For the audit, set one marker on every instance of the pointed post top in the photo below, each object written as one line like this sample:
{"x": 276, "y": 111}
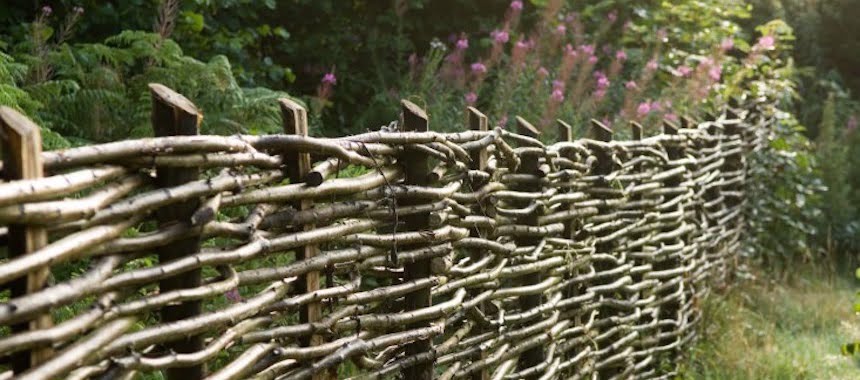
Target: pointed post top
{"x": 600, "y": 131}
{"x": 635, "y": 130}
{"x": 526, "y": 129}
{"x": 414, "y": 117}
{"x": 565, "y": 131}
{"x": 172, "y": 98}
{"x": 670, "y": 128}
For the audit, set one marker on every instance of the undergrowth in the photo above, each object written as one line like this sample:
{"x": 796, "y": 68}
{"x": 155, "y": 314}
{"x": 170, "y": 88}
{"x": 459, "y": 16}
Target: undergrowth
{"x": 769, "y": 328}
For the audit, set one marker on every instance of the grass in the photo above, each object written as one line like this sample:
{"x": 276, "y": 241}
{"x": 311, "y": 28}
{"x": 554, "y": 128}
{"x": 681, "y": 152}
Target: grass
{"x": 778, "y": 329}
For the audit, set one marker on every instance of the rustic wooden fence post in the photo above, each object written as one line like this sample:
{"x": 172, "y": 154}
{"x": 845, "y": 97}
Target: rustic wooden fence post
{"x": 295, "y": 122}
{"x": 479, "y": 122}
{"x": 565, "y": 134}
{"x": 416, "y": 174}
{"x": 22, "y": 159}
{"x": 529, "y": 165}
{"x": 603, "y": 166}
{"x": 174, "y": 115}
{"x": 672, "y": 310}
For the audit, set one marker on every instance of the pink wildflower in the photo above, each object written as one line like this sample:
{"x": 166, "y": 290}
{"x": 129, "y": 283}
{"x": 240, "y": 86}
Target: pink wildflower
{"x": 329, "y": 78}
{"x": 557, "y": 95}
{"x": 630, "y": 85}
{"x": 651, "y": 65}
{"x": 47, "y": 10}
{"x": 672, "y": 117}
{"x": 570, "y": 51}
{"x": 683, "y": 71}
{"x": 587, "y": 49}
{"x": 524, "y": 44}
{"x": 517, "y": 5}
{"x": 561, "y": 29}
{"x": 557, "y": 85}
{"x": 765, "y": 43}
{"x": 602, "y": 80}
{"x": 462, "y": 44}
{"x": 621, "y": 55}
{"x": 715, "y": 72}
{"x": 643, "y": 109}
{"x": 478, "y": 68}
{"x": 656, "y": 106}
{"x": 543, "y": 72}
{"x": 727, "y": 44}
{"x": 471, "y": 98}
{"x": 592, "y": 59}
{"x": 500, "y": 36}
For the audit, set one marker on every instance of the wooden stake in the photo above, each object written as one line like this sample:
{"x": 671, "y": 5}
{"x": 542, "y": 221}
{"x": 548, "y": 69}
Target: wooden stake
{"x": 479, "y": 122}
{"x": 416, "y": 165}
{"x": 22, "y": 159}
{"x": 529, "y": 165}
{"x": 174, "y": 115}
{"x": 295, "y": 122}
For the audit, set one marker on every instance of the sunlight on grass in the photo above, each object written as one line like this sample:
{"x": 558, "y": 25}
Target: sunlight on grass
{"x": 768, "y": 330}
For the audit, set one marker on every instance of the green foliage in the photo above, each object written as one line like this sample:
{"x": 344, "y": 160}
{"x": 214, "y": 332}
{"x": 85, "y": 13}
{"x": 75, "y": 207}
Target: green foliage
{"x": 98, "y": 91}
{"x": 11, "y": 95}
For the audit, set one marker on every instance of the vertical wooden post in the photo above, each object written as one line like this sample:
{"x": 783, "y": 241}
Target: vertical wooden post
{"x": 295, "y": 122}
{"x": 416, "y": 165}
{"x": 174, "y": 115}
{"x": 603, "y": 167}
{"x": 529, "y": 165}
{"x": 601, "y": 132}
{"x": 672, "y": 310}
{"x": 565, "y": 134}
{"x": 22, "y": 159}
{"x": 478, "y": 122}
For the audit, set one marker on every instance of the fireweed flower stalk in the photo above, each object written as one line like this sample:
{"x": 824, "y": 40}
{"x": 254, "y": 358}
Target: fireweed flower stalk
{"x": 453, "y": 69}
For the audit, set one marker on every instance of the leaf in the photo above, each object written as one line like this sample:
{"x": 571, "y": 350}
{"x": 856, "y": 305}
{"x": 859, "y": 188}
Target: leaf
{"x": 194, "y": 21}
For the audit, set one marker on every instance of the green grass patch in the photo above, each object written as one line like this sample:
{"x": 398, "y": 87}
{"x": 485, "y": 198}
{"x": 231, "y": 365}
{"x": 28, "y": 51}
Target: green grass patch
{"x": 778, "y": 329}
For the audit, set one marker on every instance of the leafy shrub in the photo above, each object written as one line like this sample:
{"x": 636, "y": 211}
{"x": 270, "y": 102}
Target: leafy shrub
{"x": 98, "y": 91}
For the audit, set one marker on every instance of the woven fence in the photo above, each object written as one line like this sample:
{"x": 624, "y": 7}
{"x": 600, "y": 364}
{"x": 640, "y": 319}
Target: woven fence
{"x": 394, "y": 253}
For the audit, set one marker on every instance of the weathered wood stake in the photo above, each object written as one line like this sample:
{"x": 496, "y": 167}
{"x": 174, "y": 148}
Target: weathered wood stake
{"x": 479, "y": 122}
{"x": 416, "y": 165}
{"x": 22, "y": 159}
{"x": 529, "y": 165}
{"x": 295, "y": 122}
{"x": 175, "y": 115}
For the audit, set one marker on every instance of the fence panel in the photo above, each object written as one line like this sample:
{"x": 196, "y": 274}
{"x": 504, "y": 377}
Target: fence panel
{"x": 480, "y": 254}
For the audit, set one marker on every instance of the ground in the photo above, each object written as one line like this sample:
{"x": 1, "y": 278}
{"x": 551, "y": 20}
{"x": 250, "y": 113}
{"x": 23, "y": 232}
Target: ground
{"x": 790, "y": 328}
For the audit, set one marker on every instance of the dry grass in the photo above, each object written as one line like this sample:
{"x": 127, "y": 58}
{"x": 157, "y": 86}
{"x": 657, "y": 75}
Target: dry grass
{"x": 788, "y": 329}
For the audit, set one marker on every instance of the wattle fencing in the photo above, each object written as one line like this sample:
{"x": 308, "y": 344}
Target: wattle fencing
{"x": 401, "y": 252}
